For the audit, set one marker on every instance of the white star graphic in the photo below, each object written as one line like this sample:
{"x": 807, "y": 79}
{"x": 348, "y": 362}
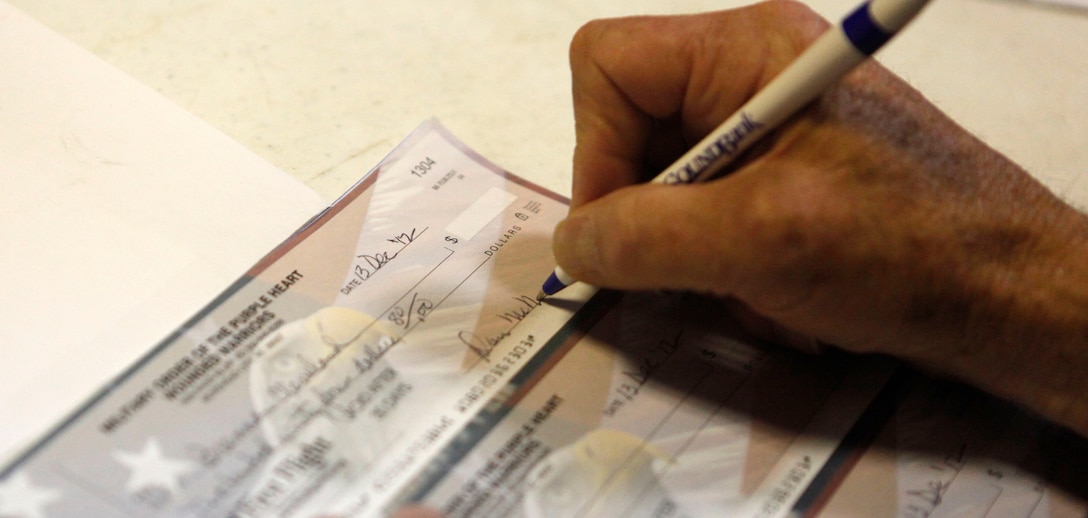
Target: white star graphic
{"x": 150, "y": 468}
{"x": 22, "y": 499}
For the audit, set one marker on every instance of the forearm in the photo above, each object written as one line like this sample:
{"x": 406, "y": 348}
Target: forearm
{"x": 996, "y": 264}
{"x": 1033, "y": 328}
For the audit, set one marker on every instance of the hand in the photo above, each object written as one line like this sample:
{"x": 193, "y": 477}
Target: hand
{"x": 870, "y": 221}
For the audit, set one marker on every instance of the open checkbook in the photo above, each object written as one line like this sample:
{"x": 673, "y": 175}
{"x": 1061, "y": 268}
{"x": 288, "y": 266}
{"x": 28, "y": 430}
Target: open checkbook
{"x": 393, "y": 351}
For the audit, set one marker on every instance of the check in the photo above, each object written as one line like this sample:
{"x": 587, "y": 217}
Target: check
{"x": 393, "y": 351}
{"x": 333, "y": 369}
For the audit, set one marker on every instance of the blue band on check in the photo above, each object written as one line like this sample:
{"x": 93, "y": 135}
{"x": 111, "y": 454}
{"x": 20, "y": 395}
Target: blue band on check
{"x": 863, "y": 32}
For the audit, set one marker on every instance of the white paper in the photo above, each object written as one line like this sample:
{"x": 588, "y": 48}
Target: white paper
{"x": 120, "y": 216}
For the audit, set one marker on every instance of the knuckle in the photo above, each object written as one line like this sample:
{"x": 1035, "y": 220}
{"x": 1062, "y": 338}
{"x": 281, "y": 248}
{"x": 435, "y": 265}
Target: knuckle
{"x": 583, "y": 38}
{"x": 805, "y": 24}
{"x": 587, "y": 38}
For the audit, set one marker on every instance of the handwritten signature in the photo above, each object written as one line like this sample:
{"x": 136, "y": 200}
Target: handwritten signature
{"x": 482, "y": 346}
{"x": 525, "y": 305}
{"x": 479, "y": 345}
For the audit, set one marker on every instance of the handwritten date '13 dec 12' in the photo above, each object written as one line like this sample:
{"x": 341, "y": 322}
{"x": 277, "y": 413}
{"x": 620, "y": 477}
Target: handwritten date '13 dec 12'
{"x": 367, "y": 265}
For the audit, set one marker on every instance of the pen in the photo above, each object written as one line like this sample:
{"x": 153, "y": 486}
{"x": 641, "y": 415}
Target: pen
{"x": 829, "y": 58}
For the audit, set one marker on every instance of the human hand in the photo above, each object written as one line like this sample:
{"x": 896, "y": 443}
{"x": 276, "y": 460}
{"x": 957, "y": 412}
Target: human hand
{"x": 870, "y": 221}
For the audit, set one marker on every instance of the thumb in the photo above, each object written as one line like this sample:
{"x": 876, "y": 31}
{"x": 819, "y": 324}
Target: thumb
{"x": 649, "y": 236}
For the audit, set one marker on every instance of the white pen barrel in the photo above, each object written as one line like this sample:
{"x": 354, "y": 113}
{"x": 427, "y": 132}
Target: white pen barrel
{"x": 892, "y": 15}
{"x": 823, "y": 63}
{"x": 860, "y": 34}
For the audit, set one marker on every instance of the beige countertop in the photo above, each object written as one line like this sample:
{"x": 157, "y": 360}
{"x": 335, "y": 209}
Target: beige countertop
{"x": 324, "y": 89}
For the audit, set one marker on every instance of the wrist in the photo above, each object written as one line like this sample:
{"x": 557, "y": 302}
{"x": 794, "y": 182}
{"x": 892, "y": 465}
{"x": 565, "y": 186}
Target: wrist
{"x": 1034, "y": 324}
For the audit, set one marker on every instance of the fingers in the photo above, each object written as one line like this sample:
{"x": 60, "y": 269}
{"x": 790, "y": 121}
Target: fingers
{"x": 640, "y": 82}
{"x": 636, "y": 238}
{"x": 769, "y": 234}
{"x": 652, "y": 236}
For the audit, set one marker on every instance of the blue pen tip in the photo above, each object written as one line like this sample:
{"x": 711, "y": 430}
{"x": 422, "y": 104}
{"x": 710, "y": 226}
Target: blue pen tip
{"x": 552, "y": 285}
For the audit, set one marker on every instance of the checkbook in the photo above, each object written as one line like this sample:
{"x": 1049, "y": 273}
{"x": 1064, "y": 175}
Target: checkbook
{"x": 393, "y": 352}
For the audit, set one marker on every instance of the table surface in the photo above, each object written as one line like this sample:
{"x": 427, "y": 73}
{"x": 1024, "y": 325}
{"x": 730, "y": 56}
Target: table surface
{"x": 325, "y": 89}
